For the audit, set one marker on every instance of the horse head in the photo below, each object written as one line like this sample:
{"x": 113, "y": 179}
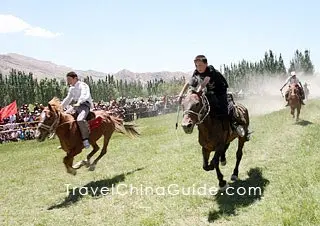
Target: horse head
{"x": 293, "y": 89}
{"x": 49, "y": 120}
{"x": 195, "y": 108}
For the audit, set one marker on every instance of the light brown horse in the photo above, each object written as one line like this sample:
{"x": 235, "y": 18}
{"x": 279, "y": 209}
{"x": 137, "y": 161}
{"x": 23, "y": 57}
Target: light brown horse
{"x": 53, "y": 119}
{"x": 294, "y": 100}
{"x": 215, "y": 135}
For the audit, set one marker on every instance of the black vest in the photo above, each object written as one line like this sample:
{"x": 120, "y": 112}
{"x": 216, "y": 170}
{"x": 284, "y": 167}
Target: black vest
{"x": 217, "y": 83}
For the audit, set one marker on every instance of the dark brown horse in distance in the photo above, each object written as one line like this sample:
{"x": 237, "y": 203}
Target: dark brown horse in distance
{"x": 215, "y": 135}
{"x": 53, "y": 119}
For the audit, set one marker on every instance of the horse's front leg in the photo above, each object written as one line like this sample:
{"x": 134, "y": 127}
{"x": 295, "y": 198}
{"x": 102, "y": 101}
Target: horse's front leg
{"x": 68, "y": 161}
{"x": 215, "y": 162}
{"x": 206, "y": 155}
{"x": 298, "y": 114}
{"x": 292, "y": 112}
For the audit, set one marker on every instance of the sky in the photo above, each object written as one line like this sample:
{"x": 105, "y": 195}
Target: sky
{"x": 149, "y": 36}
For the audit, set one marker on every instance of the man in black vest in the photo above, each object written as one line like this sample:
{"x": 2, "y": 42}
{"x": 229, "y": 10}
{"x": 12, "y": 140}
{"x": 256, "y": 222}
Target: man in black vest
{"x": 215, "y": 86}
{"x": 207, "y": 78}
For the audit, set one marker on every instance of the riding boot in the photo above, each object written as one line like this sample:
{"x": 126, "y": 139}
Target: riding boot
{"x": 84, "y": 130}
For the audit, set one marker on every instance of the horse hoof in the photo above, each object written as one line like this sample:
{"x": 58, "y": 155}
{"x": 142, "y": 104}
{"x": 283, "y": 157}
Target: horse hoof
{"x": 78, "y": 165}
{"x": 72, "y": 172}
{"x": 92, "y": 167}
{"x": 223, "y": 163}
{"x": 234, "y": 177}
{"x": 86, "y": 163}
{"x": 208, "y": 167}
{"x": 223, "y": 188}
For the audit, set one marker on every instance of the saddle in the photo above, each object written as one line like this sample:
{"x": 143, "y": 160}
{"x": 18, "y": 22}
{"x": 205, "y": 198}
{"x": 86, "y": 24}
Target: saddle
{"x": 89, "y": 117}
{"x": 236, "y": 110}
{"x": 93, "y": 121}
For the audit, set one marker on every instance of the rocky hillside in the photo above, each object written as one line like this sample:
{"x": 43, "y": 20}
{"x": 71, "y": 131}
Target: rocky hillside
{"x": 42, "y": 69}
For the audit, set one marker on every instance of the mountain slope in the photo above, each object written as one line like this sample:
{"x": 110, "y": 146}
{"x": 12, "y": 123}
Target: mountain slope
{"x": 42, "y": 69}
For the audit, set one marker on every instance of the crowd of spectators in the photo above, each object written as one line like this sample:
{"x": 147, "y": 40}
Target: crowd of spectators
{"x": 22, "y": 126}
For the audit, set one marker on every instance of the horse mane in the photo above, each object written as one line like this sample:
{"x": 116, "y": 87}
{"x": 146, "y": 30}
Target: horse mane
{"x": 55, "y": 104}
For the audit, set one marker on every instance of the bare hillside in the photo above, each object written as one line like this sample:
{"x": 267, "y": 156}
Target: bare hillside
{"x": 42, "y": 69}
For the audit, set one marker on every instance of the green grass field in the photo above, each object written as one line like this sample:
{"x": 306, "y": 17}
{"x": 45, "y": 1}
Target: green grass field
{"x": 282, "y": 159}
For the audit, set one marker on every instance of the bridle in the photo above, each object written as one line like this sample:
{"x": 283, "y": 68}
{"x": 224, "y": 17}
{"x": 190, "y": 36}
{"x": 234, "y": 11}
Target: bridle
{"x": 50, "y": 128}
{"x": 204, "y": 111}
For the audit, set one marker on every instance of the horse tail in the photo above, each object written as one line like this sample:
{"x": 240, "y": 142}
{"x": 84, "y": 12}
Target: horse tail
{"x": 127, "y": 129}
{"x": 131, "y": 129}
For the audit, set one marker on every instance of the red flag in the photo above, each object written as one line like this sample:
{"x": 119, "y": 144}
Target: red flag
{"x": 9, "y": 110}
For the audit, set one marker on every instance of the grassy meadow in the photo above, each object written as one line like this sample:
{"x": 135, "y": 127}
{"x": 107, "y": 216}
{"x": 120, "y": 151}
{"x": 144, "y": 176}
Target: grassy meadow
{"x": 282, "y": 160}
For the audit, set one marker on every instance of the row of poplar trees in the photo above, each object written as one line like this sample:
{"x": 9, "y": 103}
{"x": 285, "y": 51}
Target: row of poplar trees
{"x": 26, "y": 89}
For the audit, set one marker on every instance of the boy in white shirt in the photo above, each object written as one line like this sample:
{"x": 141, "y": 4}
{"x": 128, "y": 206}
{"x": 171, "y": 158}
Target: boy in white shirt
{"x": 79, "y": 92}
{"x": 291, "y": 80}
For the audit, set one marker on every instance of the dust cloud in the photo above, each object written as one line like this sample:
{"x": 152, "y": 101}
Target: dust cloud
{"x": 263, "y": 95}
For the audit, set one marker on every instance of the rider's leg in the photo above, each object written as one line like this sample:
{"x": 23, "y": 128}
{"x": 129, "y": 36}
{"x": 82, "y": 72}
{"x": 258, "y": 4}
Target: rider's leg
{"x": 222, "y": 105}
{"x": 83, "y": 110}
{"x": 213, "y": 104}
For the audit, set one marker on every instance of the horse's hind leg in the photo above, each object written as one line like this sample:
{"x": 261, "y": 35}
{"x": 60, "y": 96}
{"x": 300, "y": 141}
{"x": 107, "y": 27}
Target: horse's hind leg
{"x": 87, "y": 161}
{"x": 215, "y": 163}
{"x": 206, "y": 155}
{"x": 89, "y": 156}
{"x": 235, "y": 174}
{"x": 103, "y": 151}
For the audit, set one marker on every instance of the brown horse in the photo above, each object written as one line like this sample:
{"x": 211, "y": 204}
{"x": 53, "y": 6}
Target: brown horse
{"x": 215, "y": 135}
{"x": 294, "y": 100}
{"x": 53, "y": 119}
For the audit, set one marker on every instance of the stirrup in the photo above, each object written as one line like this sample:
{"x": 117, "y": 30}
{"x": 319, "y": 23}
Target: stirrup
{"x": 240, "y": 131}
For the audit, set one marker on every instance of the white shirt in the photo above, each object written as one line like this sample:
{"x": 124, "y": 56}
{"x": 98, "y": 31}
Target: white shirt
{"x": 291, "y": 80}
{"x": 79, "y": 93}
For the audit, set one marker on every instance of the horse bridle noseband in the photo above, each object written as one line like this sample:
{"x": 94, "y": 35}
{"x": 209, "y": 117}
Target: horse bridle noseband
{"x": 204, "y": 111}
